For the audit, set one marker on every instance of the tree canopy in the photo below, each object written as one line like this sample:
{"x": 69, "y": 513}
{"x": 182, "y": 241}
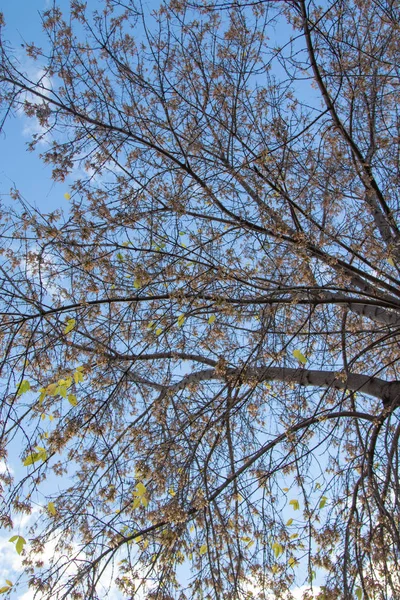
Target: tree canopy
{"x": 200, "y": 358}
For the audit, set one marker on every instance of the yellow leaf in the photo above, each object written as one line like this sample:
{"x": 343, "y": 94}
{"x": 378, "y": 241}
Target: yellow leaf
{"x": 67, "y": 196}
{"x": 289, "y": 522}
{"x": 78, "y": 376}
{"x": 277, "y": 548}
{"x": 137, "y": 284}
{"x": 136, "y": 503}
{"x": 70, "y": 324}
{"x": 171, "y": 492}
{"x": 158, "y": 331}
{"x": 300, "y": 357}
{"x": 323, "y": 502}
{"x": 181, "y": 320}
{"x": 62, "y": 391}
{"x": 145, "y": 544}
{"x": 211, "y": 319}
{"x": 72, "y": 399}
{"x": 4, "y": 589}
{"x": 275, "y": 569}
{"x": 294, "y": 536}
{"x": 42, "y": 396}
{"x": 390, "y": 261}
{"x": 30, "y": 459}
{"x": 51, "y": 389}
{"x": 285, "y": 489}
{"x": 203, "y": 549}
{"x": 51, "y": 508}
{"x": 10, "y": 583}
{"x": 292, "y": 561}
{"x": 295, "y": 504}
{"x": 19, "y": 542}
{"x": 140, "y": 490}
{"x": 23, "y": 387}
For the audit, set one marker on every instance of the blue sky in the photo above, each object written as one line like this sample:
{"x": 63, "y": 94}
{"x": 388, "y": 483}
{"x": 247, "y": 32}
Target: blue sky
{"x": 18, "y": 167}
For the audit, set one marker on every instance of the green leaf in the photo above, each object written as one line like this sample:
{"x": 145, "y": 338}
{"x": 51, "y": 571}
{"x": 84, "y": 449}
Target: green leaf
{"x": 295, "y": 504}
{"x": 70, "y": 324}
{"x": 120, "y": 257}
{"x": 277, "y": 548}
{"x": 359, "y": 593}
{"x": 300, "y": 357}
{"x": 323, "y": 501}
{"x": 23, "y": 387}
{"x": 13, "y": 538}
{"x": 211, "y": 319}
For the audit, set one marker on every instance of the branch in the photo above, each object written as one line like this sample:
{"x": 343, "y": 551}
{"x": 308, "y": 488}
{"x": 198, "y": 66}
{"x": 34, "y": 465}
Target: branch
{"x": 386, "y": 391}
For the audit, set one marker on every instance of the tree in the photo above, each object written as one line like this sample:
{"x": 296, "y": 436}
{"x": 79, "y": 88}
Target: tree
{"x": 213, "y": 327}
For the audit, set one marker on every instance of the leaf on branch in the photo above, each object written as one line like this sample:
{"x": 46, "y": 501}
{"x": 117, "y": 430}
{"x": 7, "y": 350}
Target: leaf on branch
{"x": 51, "y": 508}
{"x": 181, "y": 320}
{"x": 67, "y": 196}
{"x": 140, "y": 496}
{"x": 33, "y": 457}
{"x": 295, "y": 504}
{"x": 323, "y": 501}
{"x": 277, "y": 548}
{"x": 70, "y": 325}
{"x": 300, "y": 357}
{"x": 78, "y": 375}
{"x": 23, "y": 387}
{"x": 72, "y": 399}
{"x": 19, "y": 542}
{"x": 203, "y": 549}
{"x": 211, "y": 319}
